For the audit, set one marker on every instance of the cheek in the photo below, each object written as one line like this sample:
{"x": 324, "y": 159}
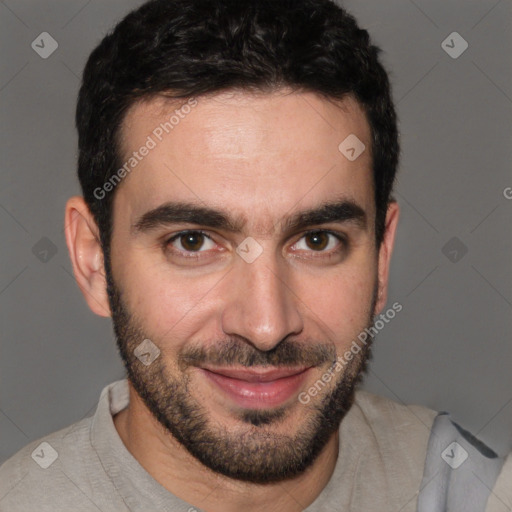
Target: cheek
{"x": 341, "y": 302}
{"x": 166, "y": 303}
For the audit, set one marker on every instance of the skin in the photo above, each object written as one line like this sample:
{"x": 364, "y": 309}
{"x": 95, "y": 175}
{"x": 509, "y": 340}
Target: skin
{"x": 261, "y": 157}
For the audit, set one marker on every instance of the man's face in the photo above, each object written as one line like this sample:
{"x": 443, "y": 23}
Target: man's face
{"x": 247, "y": 309}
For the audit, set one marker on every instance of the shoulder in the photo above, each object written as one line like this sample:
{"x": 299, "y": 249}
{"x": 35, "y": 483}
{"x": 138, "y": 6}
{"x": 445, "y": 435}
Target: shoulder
{"x": 432, "y": 452}
{"x": 385, "y": 444}
{"x": 50, "y": 473}
{"x": 500, "y": 499}
{"x": 396, "y": 433}
{"x": 450, "y": 464}
{"x": 407, "y": 426}
{"x": 35, "y": 467}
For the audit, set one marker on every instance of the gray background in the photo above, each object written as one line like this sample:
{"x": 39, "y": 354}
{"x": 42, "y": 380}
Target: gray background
{"x": 449, "y": 349}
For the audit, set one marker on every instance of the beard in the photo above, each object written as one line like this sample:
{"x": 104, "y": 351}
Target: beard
{"x": 254, "y": 452}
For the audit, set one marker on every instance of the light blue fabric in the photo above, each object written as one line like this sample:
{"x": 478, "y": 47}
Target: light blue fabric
{"x": 460, "y": 471}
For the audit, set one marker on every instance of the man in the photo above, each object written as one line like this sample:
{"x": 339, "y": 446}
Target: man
{"x": 236, "y": 159}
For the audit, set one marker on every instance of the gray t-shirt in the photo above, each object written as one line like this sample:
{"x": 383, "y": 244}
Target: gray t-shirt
{"x": 86, "y": 467}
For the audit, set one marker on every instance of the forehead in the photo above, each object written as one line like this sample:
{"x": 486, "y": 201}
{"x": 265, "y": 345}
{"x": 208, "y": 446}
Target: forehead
{"x": 249, "y": 153}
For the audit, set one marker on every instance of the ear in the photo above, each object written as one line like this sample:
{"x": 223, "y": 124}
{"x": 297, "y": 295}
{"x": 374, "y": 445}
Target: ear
{"x": 385, "y": 250}
{"x": 83, "y": 241}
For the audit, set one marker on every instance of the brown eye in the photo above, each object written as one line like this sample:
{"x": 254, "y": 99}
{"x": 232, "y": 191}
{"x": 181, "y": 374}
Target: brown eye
{"x": 192, "y": 241}
{"x": 325, "y": 243}
{"x": 317, "y": 241}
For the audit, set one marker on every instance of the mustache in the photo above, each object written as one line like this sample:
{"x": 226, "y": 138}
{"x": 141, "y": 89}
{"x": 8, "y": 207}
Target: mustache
{"x": 240, "y": 353}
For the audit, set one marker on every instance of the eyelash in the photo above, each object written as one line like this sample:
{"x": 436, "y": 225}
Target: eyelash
{"x": 340, "y": 238}
{"x": 343, "y": 243}
{"x": 187, "y": 254}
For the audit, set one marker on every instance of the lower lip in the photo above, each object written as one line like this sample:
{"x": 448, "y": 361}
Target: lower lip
{"x": 258, "y": 395}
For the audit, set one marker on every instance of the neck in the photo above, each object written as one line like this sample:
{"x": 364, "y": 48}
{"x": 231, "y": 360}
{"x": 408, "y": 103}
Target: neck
{"x": 172, "y": 466}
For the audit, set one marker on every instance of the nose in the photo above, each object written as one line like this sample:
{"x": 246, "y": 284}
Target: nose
{"x": 262, "y": 307}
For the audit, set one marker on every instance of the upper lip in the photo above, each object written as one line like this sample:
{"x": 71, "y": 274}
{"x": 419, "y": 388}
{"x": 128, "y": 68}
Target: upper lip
{"x": 257, "y": 374}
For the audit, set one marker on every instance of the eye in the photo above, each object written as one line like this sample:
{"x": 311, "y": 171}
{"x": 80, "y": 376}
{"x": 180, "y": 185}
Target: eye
{"x": 191, "y": 242}
{"x": 320, "y": 241}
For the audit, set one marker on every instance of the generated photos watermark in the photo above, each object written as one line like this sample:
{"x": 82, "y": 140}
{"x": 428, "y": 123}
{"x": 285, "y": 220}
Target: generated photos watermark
{"x": 356, "y": 347}
{"x": 151, "y": 143}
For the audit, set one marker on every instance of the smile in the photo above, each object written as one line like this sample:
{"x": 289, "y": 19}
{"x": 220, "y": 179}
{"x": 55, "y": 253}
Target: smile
{"x": 253, "y": 388}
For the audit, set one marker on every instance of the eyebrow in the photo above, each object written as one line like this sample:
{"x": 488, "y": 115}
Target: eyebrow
{"x": 342, "y": 211}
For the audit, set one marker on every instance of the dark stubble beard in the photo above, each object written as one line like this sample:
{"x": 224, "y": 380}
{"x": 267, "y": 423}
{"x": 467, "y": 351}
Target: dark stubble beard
{"x": 255, "y": 454}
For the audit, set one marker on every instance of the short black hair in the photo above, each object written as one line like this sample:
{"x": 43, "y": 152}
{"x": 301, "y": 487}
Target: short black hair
{"x": 188, "y": 48}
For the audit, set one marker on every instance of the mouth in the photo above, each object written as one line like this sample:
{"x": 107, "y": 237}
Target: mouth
{"x": 257, "y": 388}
